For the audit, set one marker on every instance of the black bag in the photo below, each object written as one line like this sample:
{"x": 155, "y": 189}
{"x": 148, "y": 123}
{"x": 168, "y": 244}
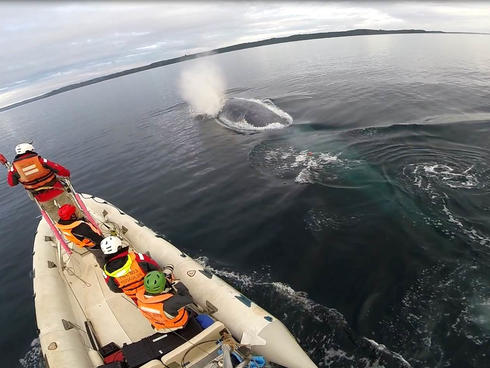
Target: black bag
{"x": 108, "y": 349}
{"x": 159, "y": 344}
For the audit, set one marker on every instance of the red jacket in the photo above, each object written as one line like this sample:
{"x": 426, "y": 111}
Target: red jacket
{"x": 45, "y": 195}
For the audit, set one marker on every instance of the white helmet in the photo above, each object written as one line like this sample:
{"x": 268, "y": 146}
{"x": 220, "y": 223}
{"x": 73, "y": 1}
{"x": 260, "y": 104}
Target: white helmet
{"x": 110, "y": 245}
{"x": 23, "y": 148}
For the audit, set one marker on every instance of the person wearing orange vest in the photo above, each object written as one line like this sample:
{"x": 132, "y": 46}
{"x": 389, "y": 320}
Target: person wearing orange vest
{"x": 124, "y": 270}
{"x": 79, "y": 231}
{"x": 163, "y": 302}
{"x": 39, "y": 176}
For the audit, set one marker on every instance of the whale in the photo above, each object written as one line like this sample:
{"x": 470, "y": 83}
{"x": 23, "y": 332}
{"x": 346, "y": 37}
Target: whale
{"x": 252, "y": 115}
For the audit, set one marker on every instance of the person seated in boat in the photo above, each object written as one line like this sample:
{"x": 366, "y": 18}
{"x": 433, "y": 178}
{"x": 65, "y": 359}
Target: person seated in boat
{"x": 80, "y": 232}
{"x": 162, "y": 301}
{"x": 124, "y": 270}
{"x": 39, "y": 176}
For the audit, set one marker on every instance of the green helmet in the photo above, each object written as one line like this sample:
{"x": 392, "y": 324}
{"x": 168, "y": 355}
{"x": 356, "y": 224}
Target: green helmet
{"x": 154, "y": 282}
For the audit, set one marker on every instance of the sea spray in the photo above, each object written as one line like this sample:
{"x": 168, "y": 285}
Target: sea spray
{"x": 202, "y": 86}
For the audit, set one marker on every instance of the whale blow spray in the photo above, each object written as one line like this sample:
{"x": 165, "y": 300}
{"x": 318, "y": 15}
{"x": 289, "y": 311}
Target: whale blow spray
{"x": 202, "y": 86}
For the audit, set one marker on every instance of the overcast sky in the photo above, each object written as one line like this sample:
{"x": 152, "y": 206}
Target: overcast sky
{"x": 49, "y": 45}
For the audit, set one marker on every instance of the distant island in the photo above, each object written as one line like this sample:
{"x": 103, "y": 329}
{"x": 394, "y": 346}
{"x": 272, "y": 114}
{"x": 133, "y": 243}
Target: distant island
{"x": 221, "y": 50}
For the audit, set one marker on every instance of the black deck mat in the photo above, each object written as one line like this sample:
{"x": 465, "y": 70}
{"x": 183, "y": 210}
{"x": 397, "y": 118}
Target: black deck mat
{"x": 157, "y": 345}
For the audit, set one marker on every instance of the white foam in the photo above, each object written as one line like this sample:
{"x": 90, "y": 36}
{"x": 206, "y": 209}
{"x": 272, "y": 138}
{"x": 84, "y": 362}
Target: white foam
{"x": 432, "y": 178}
{"x": 312, "y": 163}
{"x": 471, "y": 232}
{"x": 304, "y": 177}
{"x": 383, "y": 348}
{"x": 445, "y": 175}
{"x": 243, "y": 126}
{"x": 333, "y": 355}
{"x": 32, "y": 358}
{"x": 306, "y": 167}
{"x": 271, "y": 106}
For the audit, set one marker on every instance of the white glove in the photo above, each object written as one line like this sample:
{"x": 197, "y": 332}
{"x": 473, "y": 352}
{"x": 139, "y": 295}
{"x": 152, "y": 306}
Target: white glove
{"x": 168, "y": 271}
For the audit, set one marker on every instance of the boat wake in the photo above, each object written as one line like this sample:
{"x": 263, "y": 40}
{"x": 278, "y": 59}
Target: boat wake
{"x": 32, "y": 358}
{"x": 323, "y": 332}
{"x": 304, "y": 166}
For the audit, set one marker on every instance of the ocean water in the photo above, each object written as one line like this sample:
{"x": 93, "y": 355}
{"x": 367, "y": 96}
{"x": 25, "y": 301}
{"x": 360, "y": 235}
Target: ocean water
{"x": 368, "y": 216}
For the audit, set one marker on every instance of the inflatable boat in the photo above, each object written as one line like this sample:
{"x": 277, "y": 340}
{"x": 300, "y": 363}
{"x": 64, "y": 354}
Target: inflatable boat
{"x": 82, "y": 323}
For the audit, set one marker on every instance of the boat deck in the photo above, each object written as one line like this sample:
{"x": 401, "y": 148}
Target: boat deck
{"x": 114, "y": 316}
{"x": 71, "y": 291}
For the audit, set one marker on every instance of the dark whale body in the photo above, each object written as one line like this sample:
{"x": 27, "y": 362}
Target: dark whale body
{"x": 253, "y": 113}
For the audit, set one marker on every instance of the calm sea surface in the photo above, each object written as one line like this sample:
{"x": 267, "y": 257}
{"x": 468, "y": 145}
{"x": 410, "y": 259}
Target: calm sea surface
{"x": 371, "y": 212}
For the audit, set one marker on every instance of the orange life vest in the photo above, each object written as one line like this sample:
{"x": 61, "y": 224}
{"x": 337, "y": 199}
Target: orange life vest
{"x": 152, "y": 308}
{"x": 128, "y": 278}
{"x": 85, "y": 242}
{"x": 33, "y": 175}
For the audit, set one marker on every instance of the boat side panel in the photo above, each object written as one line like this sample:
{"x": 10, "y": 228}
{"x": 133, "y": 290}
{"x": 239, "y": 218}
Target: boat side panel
{"x": 248, "y": 322}
{"x": 62, "y": 346}
{"x": 235, "y": 310}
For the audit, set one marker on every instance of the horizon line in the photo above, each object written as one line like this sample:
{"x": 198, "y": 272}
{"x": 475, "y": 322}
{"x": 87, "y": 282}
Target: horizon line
{"x": 240, "y": 46}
